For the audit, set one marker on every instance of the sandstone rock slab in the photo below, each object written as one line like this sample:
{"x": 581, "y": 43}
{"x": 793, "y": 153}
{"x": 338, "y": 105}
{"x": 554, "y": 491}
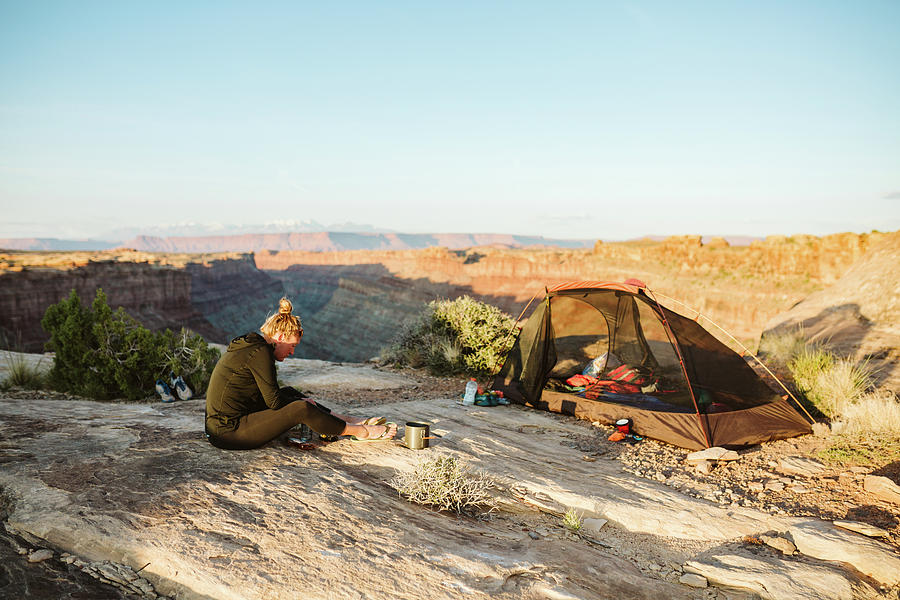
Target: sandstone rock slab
{"x": 826, "y": 542}
{"x": 138, "y": 485}
{"x": 882, "y": 487}
{"x": 779, "y": 543}
{"x": 319, "y": 375}
{"x": 775, "y": 579}
{"x": 863, "y": 528}
{"x": 693, "y": 580}
{"x": 799, "y": 465}
{"x": 712, "y": 454}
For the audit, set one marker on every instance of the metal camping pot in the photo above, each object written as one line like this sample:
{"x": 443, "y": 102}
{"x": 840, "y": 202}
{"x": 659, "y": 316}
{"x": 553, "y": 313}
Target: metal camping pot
{"x": 415, "y": 437}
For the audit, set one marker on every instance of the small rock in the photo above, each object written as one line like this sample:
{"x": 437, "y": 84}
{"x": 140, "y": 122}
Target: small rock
{"x": 554, "y": 593}
{"x": 714, "y": 453}
{"x": 693, "y": 580}
{"x": 821, "y": 429}
{"x": 798, "y": 465}
{"x": 40, "y": 555}
{"x": 534, "y": 535}
{"x": 594, "y": 524}
{"x": 860, "y": 470}
{"x": 755, "y": 486}
{"x": 779, "y": 543}
{"x": 863, "y": 528}
{"x": 883, "y": 488}
{"x": 704, "y": 466}
{"x": 798, "y": 488}
{"x": 110, "y": 572}
{"x": 774, "y": 486}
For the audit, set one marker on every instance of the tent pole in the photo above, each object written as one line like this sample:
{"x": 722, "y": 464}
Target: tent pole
{"x": 674, "y": 342}
{"x": 509, "y": 333}
{"x": 747, "y": 351}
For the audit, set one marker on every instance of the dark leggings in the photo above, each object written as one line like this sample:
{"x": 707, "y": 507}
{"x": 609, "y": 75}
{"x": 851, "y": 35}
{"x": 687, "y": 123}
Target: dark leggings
{"x": 258, "y": 428}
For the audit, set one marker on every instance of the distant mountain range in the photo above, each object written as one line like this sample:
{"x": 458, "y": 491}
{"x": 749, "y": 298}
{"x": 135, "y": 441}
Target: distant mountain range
{"x": 305, "y": 235}
{"x": 190, "y": 229}
{"x": 322, "y": 241}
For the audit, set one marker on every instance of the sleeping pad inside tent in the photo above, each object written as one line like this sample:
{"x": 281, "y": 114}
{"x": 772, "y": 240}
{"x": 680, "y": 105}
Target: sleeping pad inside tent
{"x": 605, "y": 351}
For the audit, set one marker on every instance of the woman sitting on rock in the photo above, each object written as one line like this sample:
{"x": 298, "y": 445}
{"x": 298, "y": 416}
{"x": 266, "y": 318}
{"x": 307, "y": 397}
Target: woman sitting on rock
{"x": 245, "y": 408}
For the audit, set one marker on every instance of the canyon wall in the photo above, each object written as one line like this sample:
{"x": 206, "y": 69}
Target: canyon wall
{"x": 162, "y": 291}
{"x": 353, "y": 303}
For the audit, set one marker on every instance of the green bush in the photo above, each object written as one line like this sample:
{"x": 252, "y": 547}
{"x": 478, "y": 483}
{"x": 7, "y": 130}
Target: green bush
{"x": 106, "y": 354}
{"x": 452, "y": 337}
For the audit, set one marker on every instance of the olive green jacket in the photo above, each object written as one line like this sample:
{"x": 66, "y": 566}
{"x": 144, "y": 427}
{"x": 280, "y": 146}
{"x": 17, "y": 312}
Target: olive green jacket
{"x": 243, "y": 382}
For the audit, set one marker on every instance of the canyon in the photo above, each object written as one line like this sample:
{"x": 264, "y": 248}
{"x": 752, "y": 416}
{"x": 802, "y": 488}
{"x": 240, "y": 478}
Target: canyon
{"x": 354, "y": 302}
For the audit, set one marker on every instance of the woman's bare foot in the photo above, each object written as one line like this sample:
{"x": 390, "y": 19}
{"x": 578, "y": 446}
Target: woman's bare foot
{"x": 373, "y": 432}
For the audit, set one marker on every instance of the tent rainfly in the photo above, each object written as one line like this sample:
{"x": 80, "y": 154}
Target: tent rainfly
{"x": 673, "y": 379}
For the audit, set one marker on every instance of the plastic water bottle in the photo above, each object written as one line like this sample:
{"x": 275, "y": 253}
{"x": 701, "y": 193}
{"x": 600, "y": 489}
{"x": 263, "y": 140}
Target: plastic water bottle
{"x": 471, "y": 389}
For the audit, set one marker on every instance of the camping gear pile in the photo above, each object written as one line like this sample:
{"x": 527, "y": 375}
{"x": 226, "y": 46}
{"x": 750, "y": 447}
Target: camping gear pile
{"x": 604, "y": 351}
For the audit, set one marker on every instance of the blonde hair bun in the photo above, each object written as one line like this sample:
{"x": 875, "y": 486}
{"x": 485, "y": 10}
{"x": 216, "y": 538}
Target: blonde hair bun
{"x": 282, "y": 323}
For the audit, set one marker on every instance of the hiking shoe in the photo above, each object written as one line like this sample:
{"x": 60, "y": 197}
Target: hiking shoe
{"x": 180, "y": 387}
{"x": 165, "y": 393}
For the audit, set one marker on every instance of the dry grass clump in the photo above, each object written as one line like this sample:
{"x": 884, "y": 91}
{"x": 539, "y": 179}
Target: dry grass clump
{"x": 23, "y": 374}
{"x": 780, "y": 348}
{"x": 829, "y": 382}
{"x": 876, "y": 413}
{"x": 865, "y": 421}
{"x": 445, "y": 484}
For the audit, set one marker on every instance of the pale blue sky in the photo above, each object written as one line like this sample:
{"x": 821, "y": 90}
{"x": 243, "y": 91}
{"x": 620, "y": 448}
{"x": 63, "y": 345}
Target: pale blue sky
{"x": 565, "y": 119}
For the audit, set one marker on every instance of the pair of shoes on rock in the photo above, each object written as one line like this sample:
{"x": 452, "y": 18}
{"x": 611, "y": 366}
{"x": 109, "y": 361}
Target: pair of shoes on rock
{"x": 180, "y": 387}
{"x": 165, "y": 393}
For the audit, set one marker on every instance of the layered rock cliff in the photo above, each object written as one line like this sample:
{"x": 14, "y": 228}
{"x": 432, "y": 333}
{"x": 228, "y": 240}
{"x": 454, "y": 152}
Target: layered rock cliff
{"x": 858, "y": 315}
{"x": 353, "y": 302}
{"x": 199, "y": 292}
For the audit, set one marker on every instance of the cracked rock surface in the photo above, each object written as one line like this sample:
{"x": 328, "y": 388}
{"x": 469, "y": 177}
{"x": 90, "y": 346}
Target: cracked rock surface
{"x": 135, "y": 488}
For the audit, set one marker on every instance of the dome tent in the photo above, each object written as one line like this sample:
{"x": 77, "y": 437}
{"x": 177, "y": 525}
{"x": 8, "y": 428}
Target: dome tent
{"x": 688, "y": 388}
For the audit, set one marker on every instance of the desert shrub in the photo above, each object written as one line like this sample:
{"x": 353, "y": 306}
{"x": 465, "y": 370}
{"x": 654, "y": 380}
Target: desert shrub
{"x": 445, "y": 484}
{"x": 781, "y": 347}
{"x": 106, "y": 354}
{"x": 828, "y": 382}
{"x": 451, "y": 337}
{"x": 872, "y": 414}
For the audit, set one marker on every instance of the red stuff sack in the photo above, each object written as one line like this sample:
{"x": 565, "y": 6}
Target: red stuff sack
{"x": 628, "y": 374}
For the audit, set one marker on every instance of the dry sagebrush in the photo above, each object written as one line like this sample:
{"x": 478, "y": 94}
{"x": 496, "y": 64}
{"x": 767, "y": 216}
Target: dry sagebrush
{"x": 445, "y": 484}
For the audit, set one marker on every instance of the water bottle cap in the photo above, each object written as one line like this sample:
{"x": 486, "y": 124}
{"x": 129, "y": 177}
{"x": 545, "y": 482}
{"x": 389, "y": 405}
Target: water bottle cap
{"x": 471, "y": 379}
